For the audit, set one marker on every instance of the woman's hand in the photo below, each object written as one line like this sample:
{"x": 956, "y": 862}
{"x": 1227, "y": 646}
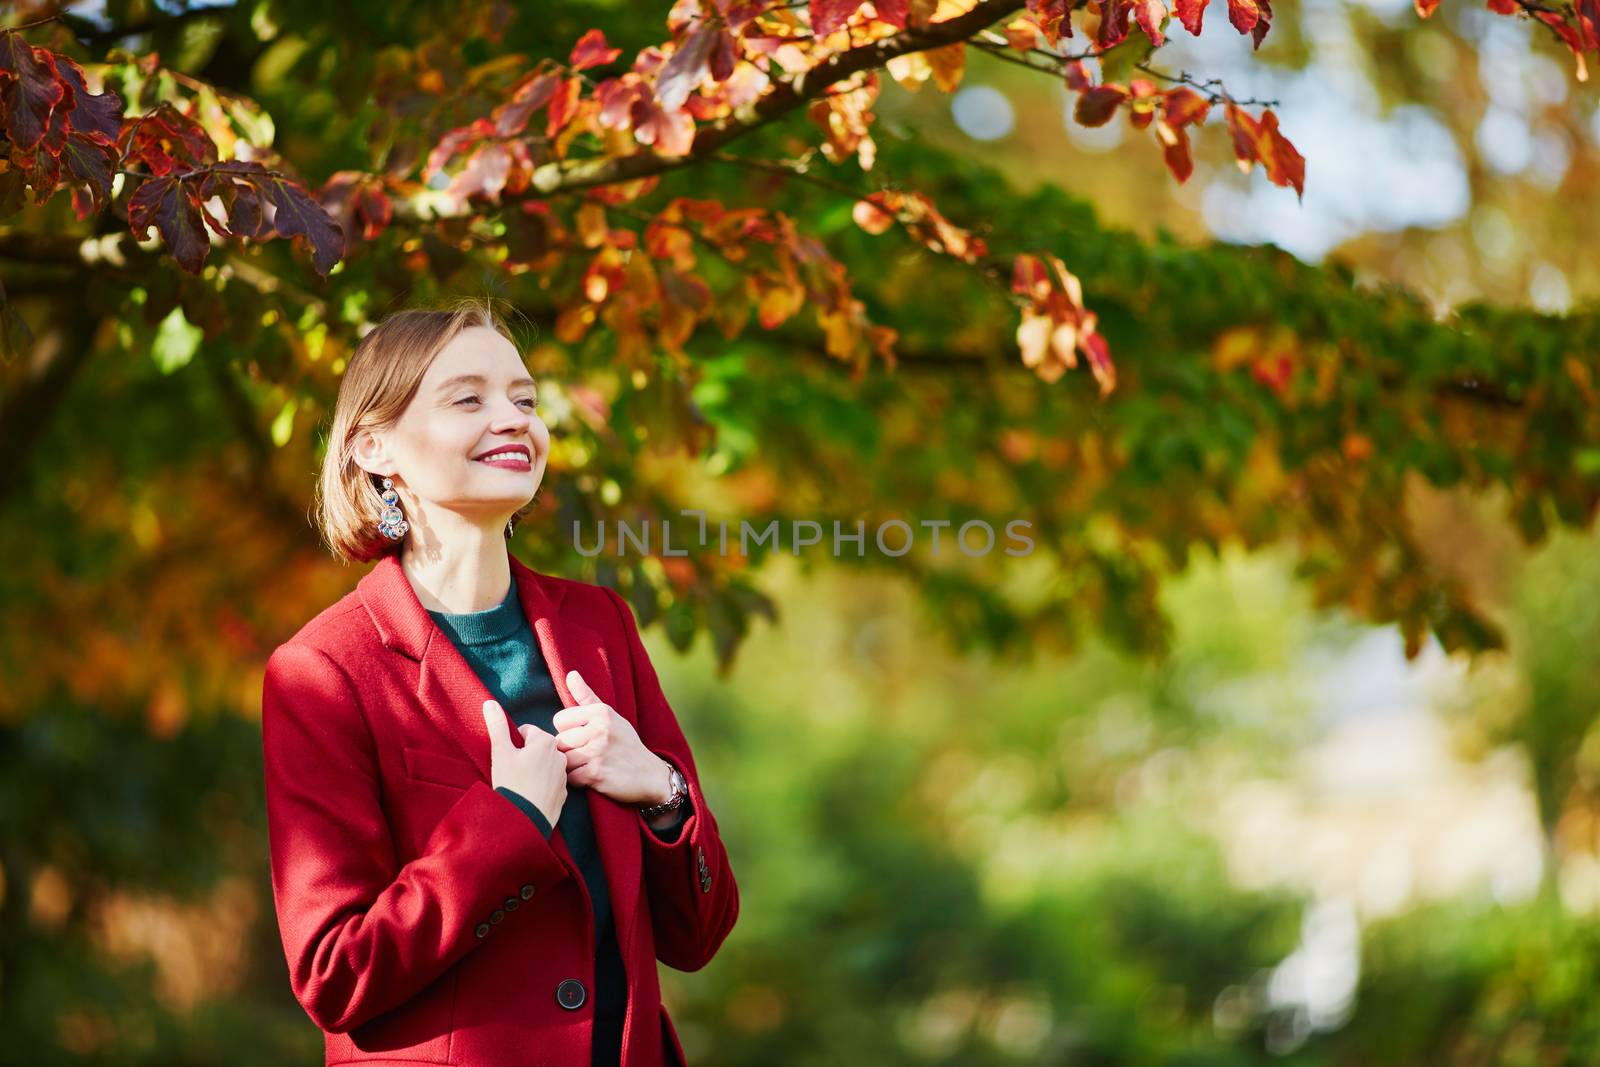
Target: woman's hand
{"x": 604, "y": 751}
{"x": 537, "y": 770}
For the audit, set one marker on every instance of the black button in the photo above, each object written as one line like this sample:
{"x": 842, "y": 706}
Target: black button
{"x": 499, "y": 914}
{"x": 570, "y": 994}
{"x": 482, "y": 930}
{"x": 527, "y": 891}
{"x": 512, "y": 904}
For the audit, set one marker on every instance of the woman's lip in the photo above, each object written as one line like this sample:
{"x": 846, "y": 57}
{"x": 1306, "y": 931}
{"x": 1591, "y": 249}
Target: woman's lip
{"x": 510, "y": 462}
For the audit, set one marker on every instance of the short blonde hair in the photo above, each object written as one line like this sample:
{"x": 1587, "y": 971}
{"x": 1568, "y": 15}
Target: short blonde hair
{"x": 382, "y": 376}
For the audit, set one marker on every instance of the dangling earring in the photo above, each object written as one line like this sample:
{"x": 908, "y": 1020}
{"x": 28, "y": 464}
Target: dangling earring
{"x": 510, "y": 524}
{"x": 393, "y": 524}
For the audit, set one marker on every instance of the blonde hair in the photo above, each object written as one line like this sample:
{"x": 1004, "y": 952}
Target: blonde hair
{"x": 382, "y": 376}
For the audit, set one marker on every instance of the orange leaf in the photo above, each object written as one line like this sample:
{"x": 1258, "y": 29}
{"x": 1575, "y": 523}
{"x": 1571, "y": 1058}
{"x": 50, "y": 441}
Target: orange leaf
{"x": 1096, "y": 105}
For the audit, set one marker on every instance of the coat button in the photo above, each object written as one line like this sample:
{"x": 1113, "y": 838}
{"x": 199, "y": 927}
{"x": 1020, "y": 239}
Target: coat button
{"x": 570, "y": 994}
{"x": 512, "y": 904}
{"x": 499, "y": 914}
{"x": 527, "y": 891}
{"x": 482, "y": 930}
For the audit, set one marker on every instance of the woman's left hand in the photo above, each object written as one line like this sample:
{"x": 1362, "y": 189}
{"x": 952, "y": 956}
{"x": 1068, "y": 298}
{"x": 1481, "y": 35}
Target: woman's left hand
{"x": 604, "y": 751}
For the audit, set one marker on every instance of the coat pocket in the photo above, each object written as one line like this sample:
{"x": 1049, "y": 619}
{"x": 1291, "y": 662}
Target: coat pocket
{"x": 426, "y": 765}
{"x": 418, "y": 1031}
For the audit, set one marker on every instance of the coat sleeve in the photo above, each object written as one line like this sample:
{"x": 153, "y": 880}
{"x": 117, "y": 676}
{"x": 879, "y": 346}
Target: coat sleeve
{"x": 363, "y": 933}
{"x": 688, "y": 880}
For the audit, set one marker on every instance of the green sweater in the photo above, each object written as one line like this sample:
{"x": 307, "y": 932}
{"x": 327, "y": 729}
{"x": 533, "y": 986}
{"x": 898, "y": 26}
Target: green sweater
{"x": 500, "y": 646}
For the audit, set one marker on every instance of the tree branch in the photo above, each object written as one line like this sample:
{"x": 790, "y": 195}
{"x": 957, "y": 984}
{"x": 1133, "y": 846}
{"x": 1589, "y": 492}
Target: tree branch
{"x": 568, "y": 175}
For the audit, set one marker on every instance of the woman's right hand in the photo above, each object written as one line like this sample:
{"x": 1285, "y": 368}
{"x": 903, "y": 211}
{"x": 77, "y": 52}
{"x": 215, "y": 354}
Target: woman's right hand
{"x": 537, "y": 770}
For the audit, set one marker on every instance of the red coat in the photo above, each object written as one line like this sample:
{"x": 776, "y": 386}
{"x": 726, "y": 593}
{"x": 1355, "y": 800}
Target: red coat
{"x": 424, "y": 917}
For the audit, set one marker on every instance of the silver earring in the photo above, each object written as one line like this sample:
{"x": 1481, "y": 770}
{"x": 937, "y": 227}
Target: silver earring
{"x": 510, "y": 525}
{"x": 393, "y": 524}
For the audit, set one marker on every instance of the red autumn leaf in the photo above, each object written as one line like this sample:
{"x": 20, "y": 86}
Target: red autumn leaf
{"x": 592, "y": 51}
{"x": 296, "y": 214}
{"x": 357, "y": 203}
{"x": 563, "y": 105}
{"x": 829, "y": 15}
{"x": 1098, "y": 103}
{"x": 724, "y": 55}
{"x": 1184, "y": 106}
{"x": 1244, "y": 132}
{"x": 671, "y": 132}
{"x": 453, "y": 142}
{"x": 1098, "y": 352}
{"x": 91, "y": 158}
{"x": 484, "y": 175}
{"x": 31, "y": 90}
{"x": 875, "y": 214}
{"x": 171, "y": 206}
{"x": 1144, "y": 101}
{"x": 1149, "y": 14}
{"x": 1285, "y": 165}
{"x": 1263, "y": 22}
{"x": 1077, "y": 76}
{"x": 91, "y": 112}
{"x": 1175, "y": 150}
{"x": 511, "y": 117}
{"x": 1260, "y": 140}
{"x": 1190, "y": 13}
{"x": 616, "y": 97}
{"x": 165, "y": 138}
{"x": 1113, "y": 23}
{"x": 241, "y": 201}
{"x": 1274, "y": 372}
{"x": 893, "y": 12}
{"x": 1030, "y": 277}
{"x": 686, "y": 68}
{"x": 1243, "y": 14}
{"x": 1052, "y": 18}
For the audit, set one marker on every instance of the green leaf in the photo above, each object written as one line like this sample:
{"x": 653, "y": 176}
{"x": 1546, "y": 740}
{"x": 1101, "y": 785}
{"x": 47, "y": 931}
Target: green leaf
{"x": 283, "y": 424}
{"x": 176, "y": 342}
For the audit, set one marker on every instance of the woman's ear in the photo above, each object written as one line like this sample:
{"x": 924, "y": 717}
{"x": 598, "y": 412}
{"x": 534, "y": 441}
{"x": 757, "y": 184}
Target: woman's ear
{"x": 371, "y": 454}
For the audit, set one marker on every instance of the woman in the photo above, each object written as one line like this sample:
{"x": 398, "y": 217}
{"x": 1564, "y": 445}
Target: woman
{"x": 485, "y": 823}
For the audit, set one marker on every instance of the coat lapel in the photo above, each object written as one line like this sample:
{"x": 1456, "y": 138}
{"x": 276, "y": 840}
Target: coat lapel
{"x": 451, "y": 694}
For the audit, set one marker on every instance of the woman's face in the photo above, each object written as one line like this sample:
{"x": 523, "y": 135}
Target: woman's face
{"x": 470, "y": 441}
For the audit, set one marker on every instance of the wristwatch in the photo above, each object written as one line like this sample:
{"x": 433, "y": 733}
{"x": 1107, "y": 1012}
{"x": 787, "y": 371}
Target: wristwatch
{"x": 680, "y": 793}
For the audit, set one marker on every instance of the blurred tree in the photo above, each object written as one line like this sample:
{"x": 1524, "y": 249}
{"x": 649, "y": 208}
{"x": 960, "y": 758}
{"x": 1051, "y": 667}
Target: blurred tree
{"x": 450, "y": 145}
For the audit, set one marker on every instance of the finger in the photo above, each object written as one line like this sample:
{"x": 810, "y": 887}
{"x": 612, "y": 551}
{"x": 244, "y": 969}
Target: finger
{"x": 580, "y": 735}
{"x": 494, "y": 717}
{"x": 527, "y": 731}
{"x": 573, "y": 717}
{"x": 580, "y": 689}
{"x": 581, "y": 756}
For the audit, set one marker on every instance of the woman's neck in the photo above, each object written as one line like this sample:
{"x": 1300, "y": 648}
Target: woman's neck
{"x": 472, "y": 574}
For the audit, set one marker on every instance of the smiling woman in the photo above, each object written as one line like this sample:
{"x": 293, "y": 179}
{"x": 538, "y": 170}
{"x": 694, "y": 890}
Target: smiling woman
{"x": 416, "y": 395}
{"x": 461, "y": 738}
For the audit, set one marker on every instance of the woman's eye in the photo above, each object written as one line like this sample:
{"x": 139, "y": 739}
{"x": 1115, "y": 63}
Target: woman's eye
{"x": 465, "y": 399}
{"x": 530, "y": 401}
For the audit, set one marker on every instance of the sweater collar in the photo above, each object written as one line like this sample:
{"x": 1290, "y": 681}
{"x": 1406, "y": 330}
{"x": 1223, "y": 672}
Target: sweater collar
{"x": 483, "y": 627}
